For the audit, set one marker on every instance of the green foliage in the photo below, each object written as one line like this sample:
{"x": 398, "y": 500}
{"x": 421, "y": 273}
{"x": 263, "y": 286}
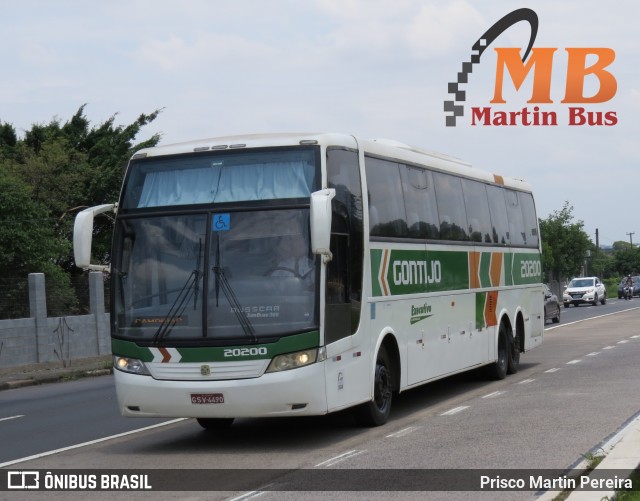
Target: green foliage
{"x": 627, "y": 260}
{"x": 56, "y": 170}
{"x": 564, "y": 244}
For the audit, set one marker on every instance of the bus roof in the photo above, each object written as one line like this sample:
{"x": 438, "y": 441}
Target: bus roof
{"x": 387, "y": 148}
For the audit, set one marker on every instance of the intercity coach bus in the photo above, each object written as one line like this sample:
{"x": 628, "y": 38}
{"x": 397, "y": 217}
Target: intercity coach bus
{"x": 302, "y": 274}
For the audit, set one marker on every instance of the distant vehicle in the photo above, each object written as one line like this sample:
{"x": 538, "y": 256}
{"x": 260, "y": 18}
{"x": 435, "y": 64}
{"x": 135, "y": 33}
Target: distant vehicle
{"x": 584, "y": 290}
{"x": 551, "y": 306}
{"x": 636, "y": 287}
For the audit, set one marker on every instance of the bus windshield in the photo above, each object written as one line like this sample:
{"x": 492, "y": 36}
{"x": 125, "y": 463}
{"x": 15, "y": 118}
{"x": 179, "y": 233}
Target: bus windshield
{"x": 236, "y": 277}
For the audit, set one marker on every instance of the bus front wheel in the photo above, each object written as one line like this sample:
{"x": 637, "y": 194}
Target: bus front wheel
{"x": 376, "y": 412}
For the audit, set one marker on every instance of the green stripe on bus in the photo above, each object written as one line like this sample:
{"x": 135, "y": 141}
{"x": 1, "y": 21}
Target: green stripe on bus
{"x": 286, "y": 344}
{"x": 376, "y": 258}
{"x": 396, "y": 272}
{"x": 485, "y": 267}
{"x": 508, "y": 266}
{"x": 527, "y": 268}
{"x": 481, "y": 298}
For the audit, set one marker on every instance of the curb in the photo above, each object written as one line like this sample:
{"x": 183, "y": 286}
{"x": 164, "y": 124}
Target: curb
{"x": 621, "y": 456}
{"x": 33, "y": 381}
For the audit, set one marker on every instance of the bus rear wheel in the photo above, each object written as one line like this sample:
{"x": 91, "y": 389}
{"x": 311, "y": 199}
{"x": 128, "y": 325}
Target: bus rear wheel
{"x": 215, "y": 423}
{"x": 499, "y": 368}
{"x": 376, "y": 412}
{"x": 513, "y": 352}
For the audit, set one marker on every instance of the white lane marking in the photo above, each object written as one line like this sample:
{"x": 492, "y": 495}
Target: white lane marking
{"x": 251, "y": 494}
{"x": 593, "y": 354}
{"x": 84, "y": 444}
{"x": 590, "y": 318}
{"x": 455, "y": 410}
{"x": 635, "y": 337}
{"x": 571, "y": 362}
{"x": 338, "y": 459}
{"x": 623, "y": 341}
{"x": 555, "y": 369}
{"x": 11, "y": 417}
{"x": 608, "y": 348}
{"x": 402, "y": 433}
{"x": 526, "y": 381}
{"x": 494, "y": 394}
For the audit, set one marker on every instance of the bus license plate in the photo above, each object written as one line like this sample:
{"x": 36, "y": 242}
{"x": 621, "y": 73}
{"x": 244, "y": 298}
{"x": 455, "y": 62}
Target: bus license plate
{"x": 207, "y": 398}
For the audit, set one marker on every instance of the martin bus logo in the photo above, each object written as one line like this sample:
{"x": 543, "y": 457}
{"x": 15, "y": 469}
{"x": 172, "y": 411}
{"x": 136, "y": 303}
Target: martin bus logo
{"x": 537, "y": 62}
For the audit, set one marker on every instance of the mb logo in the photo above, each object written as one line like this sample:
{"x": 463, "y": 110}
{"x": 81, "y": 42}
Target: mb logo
{"x": 537, "y": 62}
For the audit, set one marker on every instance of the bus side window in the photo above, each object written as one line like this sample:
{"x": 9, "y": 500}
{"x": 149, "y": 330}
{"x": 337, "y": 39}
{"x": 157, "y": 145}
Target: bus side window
{"x": 498, "y": 210}
{"x": 530, "y": 220}
{"x": 477, "y": 205}
{"x": 451, "y": 207}
{"x": 516, "y": 223}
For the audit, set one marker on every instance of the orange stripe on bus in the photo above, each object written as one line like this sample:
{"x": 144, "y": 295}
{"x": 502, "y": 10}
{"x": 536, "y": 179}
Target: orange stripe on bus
{"x": 490, "y": 309}
{"x": 474, "y": 266}
{"x": 496, "y": 268}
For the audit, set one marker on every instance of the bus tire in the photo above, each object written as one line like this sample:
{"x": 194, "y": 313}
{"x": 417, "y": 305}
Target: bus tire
{"x": 498, "y": 369}
{"x": 215, "y": 423}
{"x": 513, "y": 352}
{"x": 376, "y": 412}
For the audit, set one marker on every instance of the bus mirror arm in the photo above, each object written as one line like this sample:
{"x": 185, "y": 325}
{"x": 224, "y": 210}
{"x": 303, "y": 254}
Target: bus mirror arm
{"x": 320, "y": 222}
{"x": 83, "y": 234}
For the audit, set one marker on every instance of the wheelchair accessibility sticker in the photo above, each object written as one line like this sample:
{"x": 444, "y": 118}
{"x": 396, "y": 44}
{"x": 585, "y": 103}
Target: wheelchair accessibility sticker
{"x": 221, "y": 222}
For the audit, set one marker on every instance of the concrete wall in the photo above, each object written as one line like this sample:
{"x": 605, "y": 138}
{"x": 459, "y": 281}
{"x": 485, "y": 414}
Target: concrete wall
{"x": 42, "y": 339}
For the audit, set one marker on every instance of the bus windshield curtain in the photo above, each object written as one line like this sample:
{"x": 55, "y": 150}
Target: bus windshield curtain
{"x": 217, "y": 183}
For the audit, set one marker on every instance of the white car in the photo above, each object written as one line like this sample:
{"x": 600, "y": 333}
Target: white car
{"x": 584, "y": 290}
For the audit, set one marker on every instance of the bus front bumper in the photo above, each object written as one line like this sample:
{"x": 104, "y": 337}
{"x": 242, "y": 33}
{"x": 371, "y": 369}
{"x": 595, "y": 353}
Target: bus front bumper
{"x": 296, "y": 392}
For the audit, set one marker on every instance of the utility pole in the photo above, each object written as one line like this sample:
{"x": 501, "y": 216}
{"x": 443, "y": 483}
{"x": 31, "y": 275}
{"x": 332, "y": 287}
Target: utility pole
{"x": 630, "y": 240}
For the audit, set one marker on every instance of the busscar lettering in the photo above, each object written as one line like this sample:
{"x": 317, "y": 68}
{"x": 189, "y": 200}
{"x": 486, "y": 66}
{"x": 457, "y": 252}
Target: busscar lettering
{"x": 262, "y": 311}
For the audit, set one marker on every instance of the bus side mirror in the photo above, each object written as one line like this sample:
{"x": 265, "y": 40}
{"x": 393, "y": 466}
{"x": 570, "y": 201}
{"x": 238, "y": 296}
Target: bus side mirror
{"x": 321, "y": 222}
{"x": 83, "y": 234}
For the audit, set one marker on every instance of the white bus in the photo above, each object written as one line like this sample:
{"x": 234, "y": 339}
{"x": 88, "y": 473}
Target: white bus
{"x": 302, "y": 274}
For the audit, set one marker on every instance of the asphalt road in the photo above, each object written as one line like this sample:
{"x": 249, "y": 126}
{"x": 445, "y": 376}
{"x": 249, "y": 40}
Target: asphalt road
{"x": 570, "y": 396}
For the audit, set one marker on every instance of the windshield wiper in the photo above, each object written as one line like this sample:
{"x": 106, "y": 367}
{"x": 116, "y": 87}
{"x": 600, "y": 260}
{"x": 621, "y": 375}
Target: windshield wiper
{"x": 189, "y": 289}
{"x": 222, "y": 282}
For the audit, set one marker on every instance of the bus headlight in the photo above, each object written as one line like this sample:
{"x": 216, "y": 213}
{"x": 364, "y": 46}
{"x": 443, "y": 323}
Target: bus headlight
{"x": 293, "y": 360}
{"x": 131, "y": 365}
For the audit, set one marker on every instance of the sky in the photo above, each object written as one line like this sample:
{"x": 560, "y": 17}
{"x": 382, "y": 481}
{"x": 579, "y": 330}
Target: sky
{"x": 372, "y": 68}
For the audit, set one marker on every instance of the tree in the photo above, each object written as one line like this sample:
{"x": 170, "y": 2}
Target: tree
{"x": 47, "y": 177}
{"x": 564, "y": 244}
{"x": 627, "y": 260}
{"x": 28, "y": 244}
{"x": 72, "y": 166}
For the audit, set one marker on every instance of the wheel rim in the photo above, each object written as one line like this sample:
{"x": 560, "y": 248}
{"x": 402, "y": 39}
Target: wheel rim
{"x": 382, "y": 389}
